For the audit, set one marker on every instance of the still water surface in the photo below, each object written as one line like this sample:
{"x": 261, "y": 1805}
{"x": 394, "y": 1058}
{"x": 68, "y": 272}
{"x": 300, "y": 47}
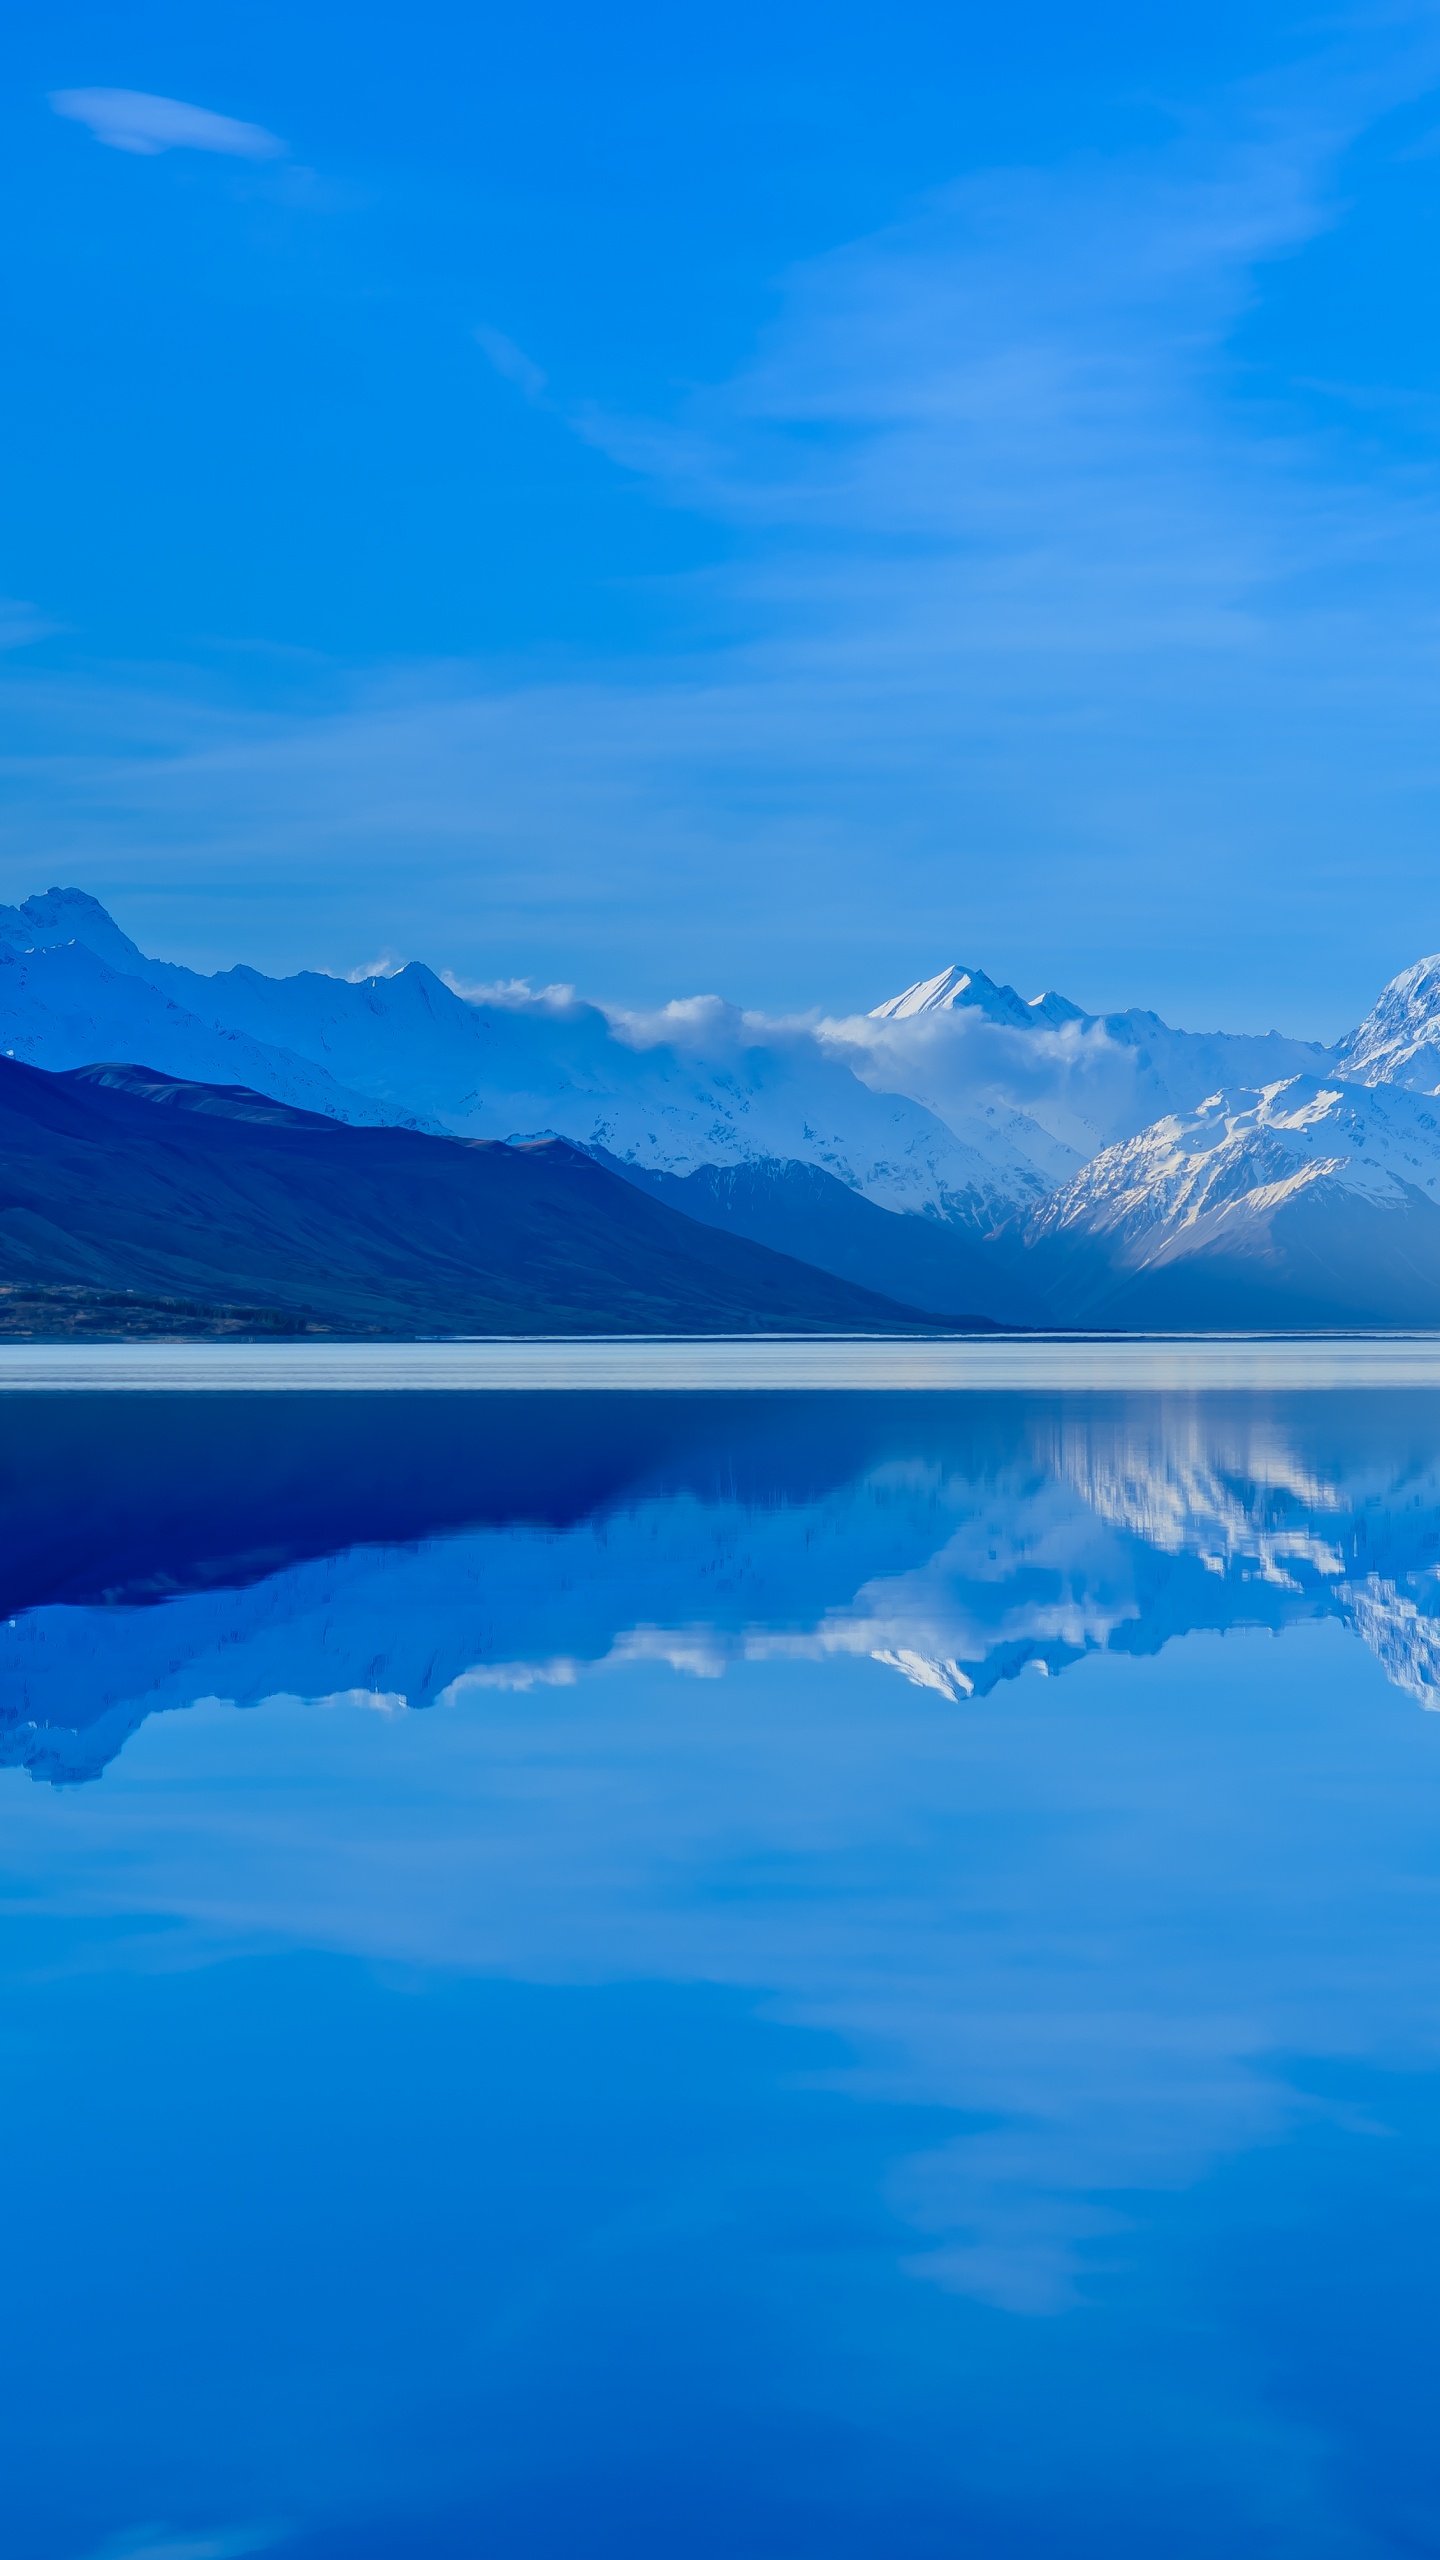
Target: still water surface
{"x": 714, "y": 1974}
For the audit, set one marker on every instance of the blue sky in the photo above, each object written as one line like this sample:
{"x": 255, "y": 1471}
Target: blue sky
{"x": 771, "y": 502}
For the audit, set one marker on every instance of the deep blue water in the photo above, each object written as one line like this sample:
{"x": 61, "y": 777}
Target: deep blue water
{"x": 702, "y": 1975}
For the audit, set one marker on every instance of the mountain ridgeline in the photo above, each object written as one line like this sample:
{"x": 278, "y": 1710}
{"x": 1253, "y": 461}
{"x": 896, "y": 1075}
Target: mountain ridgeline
{"x": 397, "y": 1154}
{"x": 133, "y": 1203}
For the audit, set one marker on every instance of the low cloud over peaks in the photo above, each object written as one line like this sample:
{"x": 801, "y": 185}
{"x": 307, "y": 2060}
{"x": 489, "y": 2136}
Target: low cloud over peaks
{"x": 131, "y": 120}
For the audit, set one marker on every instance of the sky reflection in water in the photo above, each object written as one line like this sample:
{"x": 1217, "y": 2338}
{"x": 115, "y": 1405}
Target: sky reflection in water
{"x": 752, "y": 2066}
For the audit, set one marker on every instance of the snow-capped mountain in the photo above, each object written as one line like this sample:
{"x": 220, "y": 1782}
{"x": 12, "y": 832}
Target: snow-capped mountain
{"x": 64, "y": 1007}
{"x": 1110, "y": 1167}
{"x": 1399, "y": 1040}
{"x": 956, "y": 986}
{"x": 1087, "y": 1080}
{"x": 699, "y": 1084}
{"x": 1307, "y": 1203}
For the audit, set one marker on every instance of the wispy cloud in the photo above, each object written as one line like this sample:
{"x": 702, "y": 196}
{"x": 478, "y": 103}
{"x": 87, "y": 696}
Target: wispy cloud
{"x": 163, "y": 2542}
{"x": 132, "y": 120}
{"x": 1046, "y": 641}
{"x": 20, "y": 624}
{"x": 511, "y": 362}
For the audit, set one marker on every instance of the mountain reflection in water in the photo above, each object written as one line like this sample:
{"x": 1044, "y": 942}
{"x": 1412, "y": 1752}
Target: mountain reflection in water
{"x": 158, "y": 1550}
{"x": 743, "y": 2071}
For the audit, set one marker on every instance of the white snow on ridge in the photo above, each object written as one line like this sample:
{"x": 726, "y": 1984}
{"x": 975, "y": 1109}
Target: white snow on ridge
{"x": 953, "y": 986}
{"x": 60, "y": 916}
{"x": 1251, "y": 1152}
{"x": 957, "y": 986}
{"x": 958, "y": 1099}
{"x": 1399, "y": 1040}
{"x": 64, "y": 1007}
{"x": 719, "y": 1087}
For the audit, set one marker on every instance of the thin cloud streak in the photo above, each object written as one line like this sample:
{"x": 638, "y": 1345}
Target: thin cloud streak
{"x": 132, "y": 120}
{"x": 1053, "y": 653}
{"x": 511, "y": 362}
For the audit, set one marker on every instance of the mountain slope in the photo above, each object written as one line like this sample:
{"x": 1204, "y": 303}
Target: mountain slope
{"x": 58, "y": 917}
{"x": 1306, "y": 1204}
{"x": 115, "y": 1180}
{"x": 797, "y": 1209}
{"x": 64, "y": 1006}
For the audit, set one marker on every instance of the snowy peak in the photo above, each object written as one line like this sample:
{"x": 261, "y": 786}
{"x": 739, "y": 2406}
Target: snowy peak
{"x": 59, "y": 916}
{"x": 716, "y": 1087}
{"x": 1308, "y": 1203}
{"x": 1056, "y": 1010}
{"x": 1087, "y": 1080}
{"x": 1399, "y": 1040}
{"x": 1111, "y": 1144}
{"x": 1251, "y": 1151}
{"x": 954, "y": 986}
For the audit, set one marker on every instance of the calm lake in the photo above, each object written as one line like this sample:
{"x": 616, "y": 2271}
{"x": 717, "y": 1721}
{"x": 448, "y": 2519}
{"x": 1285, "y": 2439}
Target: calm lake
{"x": 668, "y": 1973}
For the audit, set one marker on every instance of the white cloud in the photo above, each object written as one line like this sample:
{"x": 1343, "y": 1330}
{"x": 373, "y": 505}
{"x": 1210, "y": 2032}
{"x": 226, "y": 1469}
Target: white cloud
{"x": 131, "y": 120}
{"x": 158, "y": 2542}
{"x": 511, "y": 361}
{"x": 562, "y": 1673}
{"x": 1044, "y": 647}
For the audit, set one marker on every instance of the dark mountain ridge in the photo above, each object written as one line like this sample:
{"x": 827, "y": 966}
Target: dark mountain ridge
{"x": 133, "y": 1201}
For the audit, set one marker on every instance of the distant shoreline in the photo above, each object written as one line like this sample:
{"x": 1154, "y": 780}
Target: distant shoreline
{"x": 725, "y": 1364}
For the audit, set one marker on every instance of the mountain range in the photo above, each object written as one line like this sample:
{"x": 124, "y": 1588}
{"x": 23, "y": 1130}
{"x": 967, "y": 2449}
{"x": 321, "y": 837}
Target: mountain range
{"x": 961, "y": 1151}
